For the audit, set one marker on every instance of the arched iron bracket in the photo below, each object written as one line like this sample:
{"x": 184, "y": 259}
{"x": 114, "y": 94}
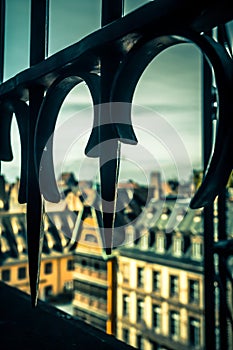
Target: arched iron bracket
{"x": 130, "y": 72}
{"x": 52, "y": 103}
{"x": 21, "y": 111}
{"x": 6, "y": 114}
{"x": 221, "y": 162}
{"x": 128, "y": 75}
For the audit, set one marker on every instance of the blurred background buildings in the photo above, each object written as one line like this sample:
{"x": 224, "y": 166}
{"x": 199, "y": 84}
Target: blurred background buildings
{"x": 149, "y": 292}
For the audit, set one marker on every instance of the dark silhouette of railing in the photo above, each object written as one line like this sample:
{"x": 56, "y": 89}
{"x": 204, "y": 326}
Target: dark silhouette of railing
{"x": 111, "y": 61}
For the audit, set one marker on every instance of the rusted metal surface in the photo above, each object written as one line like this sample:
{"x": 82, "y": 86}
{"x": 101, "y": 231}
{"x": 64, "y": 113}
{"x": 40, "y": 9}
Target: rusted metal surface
{"x": 111, "y": 62}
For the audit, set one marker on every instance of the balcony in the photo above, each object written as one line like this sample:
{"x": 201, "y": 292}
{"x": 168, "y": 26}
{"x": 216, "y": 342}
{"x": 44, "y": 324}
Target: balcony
{"x": 24, "y": 327}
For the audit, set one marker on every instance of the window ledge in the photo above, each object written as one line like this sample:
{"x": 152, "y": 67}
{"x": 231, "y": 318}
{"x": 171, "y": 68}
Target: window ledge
{"x": 45, "y": 327}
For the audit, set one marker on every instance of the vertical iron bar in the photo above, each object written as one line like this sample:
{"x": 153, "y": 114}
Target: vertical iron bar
{"x": 111, "y": 10}
{"x": 222, "y": 235}
{"x": 209, "y": 277}
{"x": 38, "y": 51}
{"x": 39, "y": 31}
{"x": 109, "y": 153}
{"x": 223, "y": 39}
{"x": 2, "y": 38}
{"x": 2, "y": 42}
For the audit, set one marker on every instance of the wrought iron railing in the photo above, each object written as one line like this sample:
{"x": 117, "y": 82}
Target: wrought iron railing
{"x": 111, "y": 61}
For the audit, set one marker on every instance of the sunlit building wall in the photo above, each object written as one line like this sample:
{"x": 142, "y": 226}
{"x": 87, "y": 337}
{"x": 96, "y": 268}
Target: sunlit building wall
{"x": 160, "y": 285}
{"x": 57, "y": 263}
{"x": 94, "y": 277}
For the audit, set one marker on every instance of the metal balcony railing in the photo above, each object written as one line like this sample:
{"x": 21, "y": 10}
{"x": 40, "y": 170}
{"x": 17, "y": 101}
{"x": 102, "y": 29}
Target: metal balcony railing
{"x": 111, "y": 61}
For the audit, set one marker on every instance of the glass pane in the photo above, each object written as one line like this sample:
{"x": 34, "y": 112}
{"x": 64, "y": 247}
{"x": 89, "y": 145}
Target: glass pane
{"x": 71, "y": 20}
{"x": 16, "y": 55}
{"x": 131, "y": 5}
{"x": 170, "y": 90}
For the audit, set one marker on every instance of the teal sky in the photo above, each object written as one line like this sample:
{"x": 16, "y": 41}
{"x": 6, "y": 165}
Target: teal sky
{"x": 170, "y": 86}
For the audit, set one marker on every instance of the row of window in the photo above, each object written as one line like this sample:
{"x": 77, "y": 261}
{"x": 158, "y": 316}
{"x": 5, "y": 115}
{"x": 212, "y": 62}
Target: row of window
{"x": 21, "y": 274}
{"x": 178, "y": 247}
{"x": 22, "y": 271}
{"x": 193, "y": 285}
{"x": 90, "y": 289}
{"x": 194, "y": 328}
{"x": 160, "y": 242}
{"x": 174, "y": 317}
{"x": 49, "y": 292}
{"x": 91, "y": 263}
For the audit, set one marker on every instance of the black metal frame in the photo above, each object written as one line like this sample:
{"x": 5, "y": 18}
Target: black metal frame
{"x": 111, "y": 61}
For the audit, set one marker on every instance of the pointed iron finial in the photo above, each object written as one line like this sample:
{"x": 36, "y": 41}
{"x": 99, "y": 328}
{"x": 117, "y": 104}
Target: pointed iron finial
{"x": 109, "y": 171}
{"x": 35, "y": 236}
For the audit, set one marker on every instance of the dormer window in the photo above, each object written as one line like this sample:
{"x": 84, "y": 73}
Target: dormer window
{"x": 177, "y": 246}
{"x": 197, "y": 249}
{"x": 160, "y": 243}
{"x": 144, "y": 241}
{"x": 129, "y": 236}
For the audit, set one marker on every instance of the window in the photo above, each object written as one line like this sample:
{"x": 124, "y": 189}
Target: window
{"x": 70, "y": 265}
{"x": 194, "y": 332}
{"x": 90, "y": 238}
{"x": 6, "y": 275}
{"x": 125, "y": 335}
{"x": 68, "y": 286}
{"x": 144, "y": 241}
{"x": 21, "y": 273}
{"x": 194, "y": 291}
{"x": 83, "y": 262}
{"x": 140, "y": 277}
{"x": 174, "y": 286}
{"x": 160, "y": 244}
{"x": 125, "y": 272}
{"x": 48, "y": 268}
{"x": 129, "y": 234}
{"x": 140, "y": 310}
{"x": 156, "y": 317}
{"x": 177, "y": 246}
{"x": 96, "y": 266}
{"x": 197, "y": 250}
{"x": 48, "y": 291}
{"x": 174, "y": 325}
{"x": 125, "y": 305}
{"x": 156, "y": 275}
{"x": 140, "y": 342}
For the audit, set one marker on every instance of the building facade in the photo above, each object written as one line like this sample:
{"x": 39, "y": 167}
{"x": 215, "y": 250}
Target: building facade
{"x": 57, "y": 262}
{"x": 160, "y": 283}
{"x": 94, "y": 276}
